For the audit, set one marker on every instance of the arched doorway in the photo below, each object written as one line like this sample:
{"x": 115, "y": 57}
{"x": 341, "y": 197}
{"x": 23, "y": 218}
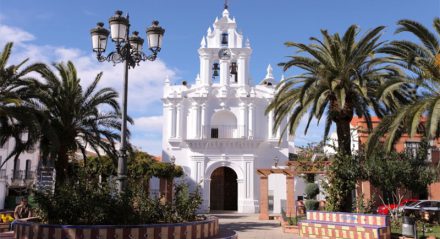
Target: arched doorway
{"x": 224, "y": 193}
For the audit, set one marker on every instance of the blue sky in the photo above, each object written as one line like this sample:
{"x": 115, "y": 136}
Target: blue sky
{"x": 52, "y": 31}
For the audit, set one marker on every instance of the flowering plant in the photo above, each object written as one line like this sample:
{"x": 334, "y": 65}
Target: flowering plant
{"x": 6, "y": 218}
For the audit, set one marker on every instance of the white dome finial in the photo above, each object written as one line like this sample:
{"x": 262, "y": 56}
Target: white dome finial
{"x": 248, "y": 43}
{"x": 226, "y": 13}
{"x": 203, "y": 42}
{"x": 167, "y": 80}
{"x": 269, "y": 74}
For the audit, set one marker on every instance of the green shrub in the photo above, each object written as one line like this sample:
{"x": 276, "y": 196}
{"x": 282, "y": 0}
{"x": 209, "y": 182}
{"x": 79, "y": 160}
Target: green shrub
{"x": 186, "y": 203}
{"x": 311, "y": 190}
{"x": 86, "y": 201}
{"x": 342, "y": 177}
{"x": 312, "y": 204}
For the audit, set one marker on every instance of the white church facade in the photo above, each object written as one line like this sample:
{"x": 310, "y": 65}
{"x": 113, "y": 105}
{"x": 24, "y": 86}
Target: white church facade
{"x": 217, "y": 130}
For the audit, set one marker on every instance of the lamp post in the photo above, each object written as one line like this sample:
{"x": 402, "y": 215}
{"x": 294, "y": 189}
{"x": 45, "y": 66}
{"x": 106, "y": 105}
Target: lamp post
{"x": 128, "y": 51}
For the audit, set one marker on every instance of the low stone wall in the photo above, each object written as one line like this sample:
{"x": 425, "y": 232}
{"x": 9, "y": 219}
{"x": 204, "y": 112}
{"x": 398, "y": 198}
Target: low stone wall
{"x": 190, "y": 230}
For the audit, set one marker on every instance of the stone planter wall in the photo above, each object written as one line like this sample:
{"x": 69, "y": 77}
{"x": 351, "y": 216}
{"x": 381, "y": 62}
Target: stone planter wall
{"x": 190, "y": 230}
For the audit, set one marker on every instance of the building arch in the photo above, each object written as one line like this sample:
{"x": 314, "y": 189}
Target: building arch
{"x": 223, "y": 189}
{"x": 224, "y": 118}
{"x": 237, "y": 169}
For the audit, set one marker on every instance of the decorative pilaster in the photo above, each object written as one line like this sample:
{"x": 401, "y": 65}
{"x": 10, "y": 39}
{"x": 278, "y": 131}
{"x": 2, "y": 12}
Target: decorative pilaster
{"x": 290, "y": 187}
{"x": 203, "y": 121}
{"x": 243, "y": 120}
{"x": 196, "y": 120}
{"x": 241, "y": 70}
{"x": 179, "y": 121}
{"x": 270, "y": 125}
{"x": 224, "y": 72}
{"x": 264, "y": 198}
{"x": 172, "y": 120}
{"x": 251, "y": 121}
{"x": 205, "y": 69}
{"x": 166, "y": 189}
{"x": 206, "y": 186}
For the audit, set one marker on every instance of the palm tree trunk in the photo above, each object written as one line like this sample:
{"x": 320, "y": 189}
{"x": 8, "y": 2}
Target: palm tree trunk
{"x": 344, "y": 147}
{"x": 344, "y": 136}
{"x": 61, "y": 166}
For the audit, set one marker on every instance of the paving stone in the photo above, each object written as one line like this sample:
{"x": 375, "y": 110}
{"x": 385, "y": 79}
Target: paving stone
{"x": 249, "y": 227}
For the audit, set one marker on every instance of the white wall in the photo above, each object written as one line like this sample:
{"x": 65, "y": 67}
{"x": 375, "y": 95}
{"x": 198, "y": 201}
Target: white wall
{"x": 32, "y": 155}
{"x": 277, "y": 184}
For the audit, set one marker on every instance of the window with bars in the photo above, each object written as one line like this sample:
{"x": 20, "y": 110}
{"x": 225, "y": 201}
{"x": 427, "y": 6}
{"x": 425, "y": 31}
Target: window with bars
{"x": 411, "y": 148}
{"x": 214, "y": 133}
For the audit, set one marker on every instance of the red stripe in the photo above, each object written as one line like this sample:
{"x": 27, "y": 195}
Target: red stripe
{"x": 51, "y": 233}
{"x": 202, "y": 230}
{"x": 194, "y": 231}
{"x": 39, "y": 232}
{"x": 110, "y": 233}
{"x": 33, "y": 235}
{"x": 126, "y": 232}
{"x": 183, "y": 232}
{"x": 94, "y": 233}
{"x": 171, "y": 232}
{"x": 18, "y": 230}
{"x": 157, "y": 231}
{"x": 79, "y": 233}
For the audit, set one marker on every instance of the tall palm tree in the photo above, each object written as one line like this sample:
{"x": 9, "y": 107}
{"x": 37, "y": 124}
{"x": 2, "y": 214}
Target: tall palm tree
{"x": 75, "y": 117}
{"x": 17, "y": 115}
{"x": 422, "y": 60}
{"x": 339, "y": 80}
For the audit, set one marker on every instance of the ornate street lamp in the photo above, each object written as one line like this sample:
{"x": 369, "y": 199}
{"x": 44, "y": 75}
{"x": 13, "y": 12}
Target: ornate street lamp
{"x": 129, "y": 51}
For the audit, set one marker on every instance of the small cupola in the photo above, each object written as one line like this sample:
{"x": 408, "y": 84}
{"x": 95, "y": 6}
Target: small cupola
{"x": 269, "y": 80}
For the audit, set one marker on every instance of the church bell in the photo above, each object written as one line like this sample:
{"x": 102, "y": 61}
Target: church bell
{"x": 224, "y": 39}
{"x": 233, "y": 68}
{"x": 215, "y": 68}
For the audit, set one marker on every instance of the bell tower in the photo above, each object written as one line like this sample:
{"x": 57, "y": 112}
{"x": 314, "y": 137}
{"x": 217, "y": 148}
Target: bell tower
{"x": 224, "y": 56}
{"x": 217, "y": 129}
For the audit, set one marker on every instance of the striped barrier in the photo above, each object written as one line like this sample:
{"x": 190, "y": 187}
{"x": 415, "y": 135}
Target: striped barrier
{"x": 190, "y": 230}
{"x": 345, "y": 225}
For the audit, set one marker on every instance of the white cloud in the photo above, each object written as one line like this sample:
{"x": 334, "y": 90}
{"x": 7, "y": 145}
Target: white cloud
{"x": 145, "y": 80}
{"x": 16, "y": 35}
{"x": 152, "y": 146}
{"x": 150, "y": 124}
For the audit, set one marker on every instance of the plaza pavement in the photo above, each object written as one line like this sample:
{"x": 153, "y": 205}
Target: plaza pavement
{"x": 249, "y": 227}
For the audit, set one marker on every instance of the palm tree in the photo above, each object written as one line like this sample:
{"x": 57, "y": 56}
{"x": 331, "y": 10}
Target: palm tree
{"x": 339, "y": 80}
{"x": 74, "y": 117}
{"x": 17, "y": 115}
{"x": 422, "y": 61}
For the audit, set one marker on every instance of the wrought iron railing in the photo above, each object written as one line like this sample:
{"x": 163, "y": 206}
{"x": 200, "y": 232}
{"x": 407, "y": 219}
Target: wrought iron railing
{"x": 223, "y": 131}
{"x": 29, "y": 175}
{"x": 17, "y": 174}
